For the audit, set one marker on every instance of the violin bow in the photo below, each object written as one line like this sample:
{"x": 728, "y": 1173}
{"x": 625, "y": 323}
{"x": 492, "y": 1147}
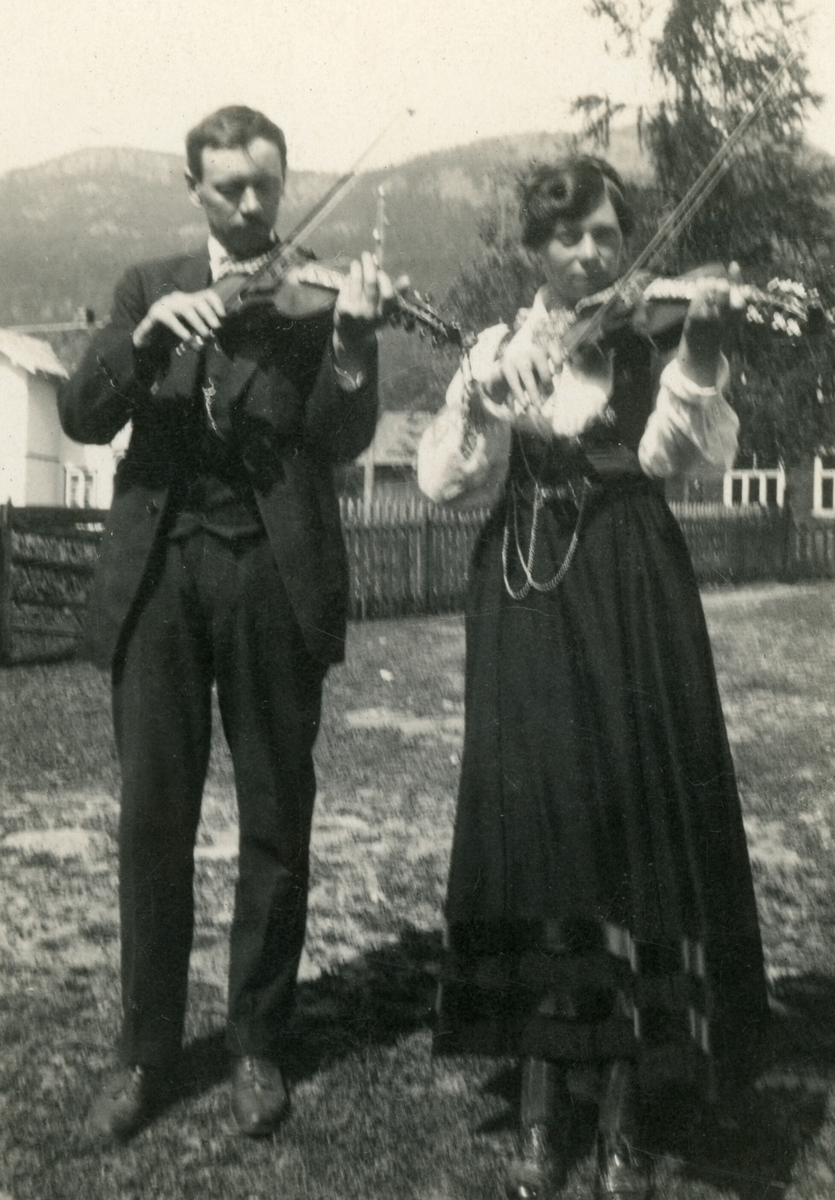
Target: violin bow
{"x": 334, "y": 196}
{"x": 416, "y": 308}
{"x": 694, "y": 197}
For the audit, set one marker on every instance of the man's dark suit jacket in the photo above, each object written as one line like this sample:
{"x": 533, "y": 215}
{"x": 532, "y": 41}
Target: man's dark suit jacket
{"x": 291, "y": 422}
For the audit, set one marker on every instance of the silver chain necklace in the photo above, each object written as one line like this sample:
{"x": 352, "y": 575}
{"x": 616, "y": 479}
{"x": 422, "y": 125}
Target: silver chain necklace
{"x": 540, "y": 496}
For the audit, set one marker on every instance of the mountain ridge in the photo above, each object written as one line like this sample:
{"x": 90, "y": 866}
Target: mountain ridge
{"x": 151, "y": 163}
{"x": 71, "y": 225}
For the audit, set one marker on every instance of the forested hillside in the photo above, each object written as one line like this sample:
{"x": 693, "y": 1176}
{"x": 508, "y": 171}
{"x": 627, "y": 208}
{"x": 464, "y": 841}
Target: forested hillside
{"x": 69, "y": 227}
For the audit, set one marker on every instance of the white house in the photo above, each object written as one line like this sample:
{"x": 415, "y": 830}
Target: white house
{"x": 39, "y": 464}
{"x": 389, "y": 463}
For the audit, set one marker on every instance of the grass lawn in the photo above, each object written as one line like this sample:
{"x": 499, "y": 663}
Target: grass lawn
{"x": 374, "y": 1116}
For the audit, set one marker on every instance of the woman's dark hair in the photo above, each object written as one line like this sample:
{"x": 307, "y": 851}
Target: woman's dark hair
{"x": 231, "y": 128}
{"x": 568, "y": 190}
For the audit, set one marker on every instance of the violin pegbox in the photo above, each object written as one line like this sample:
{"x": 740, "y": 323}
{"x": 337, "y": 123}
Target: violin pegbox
{"x": 411, "y": 311}
{"x": 795, "y": 309}
{"x": 407, "y": 310}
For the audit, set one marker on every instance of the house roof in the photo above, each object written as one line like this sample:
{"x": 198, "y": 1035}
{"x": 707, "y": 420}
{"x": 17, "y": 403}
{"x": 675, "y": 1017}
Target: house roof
{"x": 69, "y": 345}
{"x": 396, "y": 438}
{"x": 30, "y": 354}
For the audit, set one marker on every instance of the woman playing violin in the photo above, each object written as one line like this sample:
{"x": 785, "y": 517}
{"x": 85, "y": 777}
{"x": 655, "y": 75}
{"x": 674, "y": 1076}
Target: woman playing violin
{"x": 600, "y": 909}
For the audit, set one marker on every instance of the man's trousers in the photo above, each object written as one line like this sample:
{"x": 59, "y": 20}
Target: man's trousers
{"x": 214, "y": 611}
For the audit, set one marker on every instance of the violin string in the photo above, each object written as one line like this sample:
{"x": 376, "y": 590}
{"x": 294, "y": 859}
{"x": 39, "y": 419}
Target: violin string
{"x": 691, "y": 202}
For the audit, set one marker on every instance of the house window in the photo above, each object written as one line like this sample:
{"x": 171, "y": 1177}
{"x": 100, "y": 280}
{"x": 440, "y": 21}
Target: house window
{"x": 755, "y": 485}
{"x": 79, "y": 488}
{"x": 823, "y": 486}
{"x": 89, "y": 489}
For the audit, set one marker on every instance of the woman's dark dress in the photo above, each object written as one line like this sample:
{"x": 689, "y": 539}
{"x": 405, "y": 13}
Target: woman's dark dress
{"x": 600, "y": 901}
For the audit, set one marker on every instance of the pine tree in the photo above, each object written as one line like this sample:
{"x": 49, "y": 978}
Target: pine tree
{"x": 713, "y": 59}
{"x": 772, "y": 210}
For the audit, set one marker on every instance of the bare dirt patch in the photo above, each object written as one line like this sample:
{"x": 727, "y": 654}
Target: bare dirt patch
{"x": 375, "y": 1116}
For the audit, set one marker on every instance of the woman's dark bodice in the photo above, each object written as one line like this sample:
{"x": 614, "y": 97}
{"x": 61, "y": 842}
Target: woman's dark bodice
{"x": 610, "y": 446}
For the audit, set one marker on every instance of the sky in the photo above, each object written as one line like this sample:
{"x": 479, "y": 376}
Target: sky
{"x": 333, "y": 73}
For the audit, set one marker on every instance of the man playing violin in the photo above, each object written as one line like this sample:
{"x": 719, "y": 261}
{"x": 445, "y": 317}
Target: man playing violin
{"x": 222, "y": 565}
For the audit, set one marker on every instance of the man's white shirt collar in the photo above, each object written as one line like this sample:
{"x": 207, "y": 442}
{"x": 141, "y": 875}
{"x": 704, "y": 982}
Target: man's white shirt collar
{"x": 222, "y": 263}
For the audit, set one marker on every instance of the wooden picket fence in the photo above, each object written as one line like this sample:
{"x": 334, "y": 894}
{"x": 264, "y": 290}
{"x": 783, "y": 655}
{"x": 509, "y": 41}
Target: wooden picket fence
{"x": 407, "y": 556}
{"x": 404, "y": 557}
{"x": 47, "y": 558}
{"x": 737, "y": 545}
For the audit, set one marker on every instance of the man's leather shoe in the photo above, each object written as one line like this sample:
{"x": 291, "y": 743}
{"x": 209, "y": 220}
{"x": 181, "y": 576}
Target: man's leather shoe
{"x": 259, "y": 1096}
{"x": 127, "y": 1099}
{"x": 538, "y": 1171}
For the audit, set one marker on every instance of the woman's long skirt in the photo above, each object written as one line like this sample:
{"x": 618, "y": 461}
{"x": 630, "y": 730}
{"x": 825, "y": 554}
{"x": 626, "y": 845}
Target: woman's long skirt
{"x": 600, "y": 900}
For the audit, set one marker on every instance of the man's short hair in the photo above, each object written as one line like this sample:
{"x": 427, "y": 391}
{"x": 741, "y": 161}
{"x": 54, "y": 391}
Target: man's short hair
{"x": 231, "y": 128}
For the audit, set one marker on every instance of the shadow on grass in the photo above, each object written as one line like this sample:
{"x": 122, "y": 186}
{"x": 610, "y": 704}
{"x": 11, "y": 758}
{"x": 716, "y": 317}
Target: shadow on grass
{"x": 750, "y": 1148}
{"x": 375, "y": 999}
{"x": 750, "y": 1151}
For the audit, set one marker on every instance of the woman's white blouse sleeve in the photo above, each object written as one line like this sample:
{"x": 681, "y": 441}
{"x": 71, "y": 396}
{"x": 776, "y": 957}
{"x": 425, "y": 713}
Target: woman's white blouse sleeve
{"x": 693, "y": 430}
{"x": 456, "y": 465}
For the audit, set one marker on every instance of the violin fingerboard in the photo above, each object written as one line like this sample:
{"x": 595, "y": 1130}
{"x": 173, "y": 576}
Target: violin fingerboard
{"x": 778, "y": 297}
{"x": 409, "y": 310}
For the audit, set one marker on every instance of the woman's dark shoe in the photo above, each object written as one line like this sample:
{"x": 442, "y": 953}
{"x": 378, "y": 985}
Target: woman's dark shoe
{"x": 538, "y": 1171}
{"x": 622, "y": 1171}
